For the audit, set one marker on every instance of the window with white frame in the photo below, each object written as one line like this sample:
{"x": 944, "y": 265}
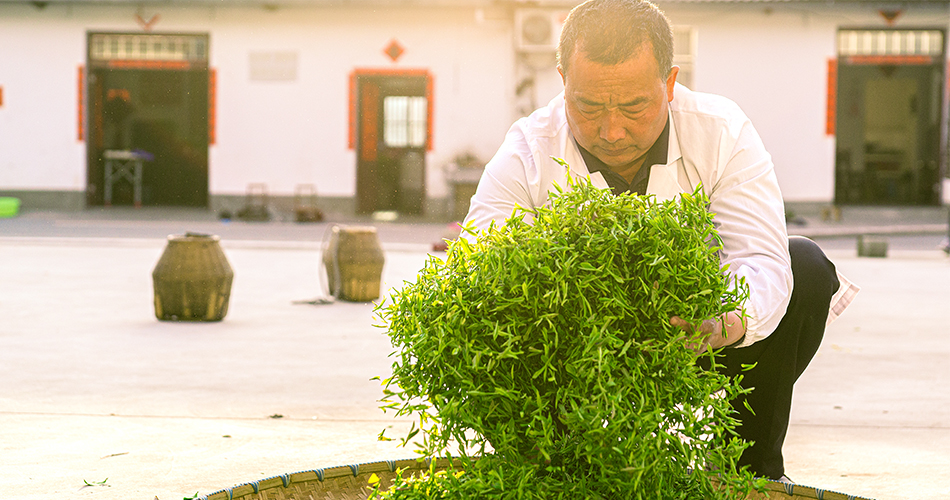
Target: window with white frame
{"x": 684, "y": 53}
{"x": 404, "y": 121}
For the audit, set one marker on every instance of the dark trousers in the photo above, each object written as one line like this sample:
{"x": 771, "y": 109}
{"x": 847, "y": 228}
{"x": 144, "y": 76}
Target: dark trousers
{"x": 781, "y": 358}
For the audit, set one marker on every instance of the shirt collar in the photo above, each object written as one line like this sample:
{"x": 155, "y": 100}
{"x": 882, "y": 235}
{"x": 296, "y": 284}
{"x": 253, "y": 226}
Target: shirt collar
{"x": 657, "y": 155}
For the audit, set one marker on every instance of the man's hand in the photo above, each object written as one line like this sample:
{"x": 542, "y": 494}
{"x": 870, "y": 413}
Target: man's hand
{"x": 711, "y": 332}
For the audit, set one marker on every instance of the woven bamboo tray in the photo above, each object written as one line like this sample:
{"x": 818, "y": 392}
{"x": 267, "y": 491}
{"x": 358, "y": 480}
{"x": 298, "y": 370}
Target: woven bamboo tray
{"x": 351, "y": 482}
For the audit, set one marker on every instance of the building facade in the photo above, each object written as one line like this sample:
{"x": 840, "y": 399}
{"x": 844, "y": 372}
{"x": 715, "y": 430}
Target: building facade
{"x": 374, "y": 104}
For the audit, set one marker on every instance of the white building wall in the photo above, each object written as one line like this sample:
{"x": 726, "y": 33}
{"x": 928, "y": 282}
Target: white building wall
{"x": 40, "y": 55}
{"x": 281, "y": 133}
{"x": 774, "y": 65}
{"x": 770, "y": 58}
{"x": 773, "y": 61}
{"x": 297, "y": 132}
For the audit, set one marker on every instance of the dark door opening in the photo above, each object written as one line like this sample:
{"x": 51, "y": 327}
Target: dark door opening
{"x": 393, "y": 112}
{"x": 158, "y": 108}
{"x": 888, "y": 130}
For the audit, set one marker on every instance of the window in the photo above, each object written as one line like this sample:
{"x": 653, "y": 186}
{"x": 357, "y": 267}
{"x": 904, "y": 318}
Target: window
{"x": 873, "y": 42}
{"x": 158, "y": 47}
{"x": 684, "y": 53}
{"x": 404, "y": 121}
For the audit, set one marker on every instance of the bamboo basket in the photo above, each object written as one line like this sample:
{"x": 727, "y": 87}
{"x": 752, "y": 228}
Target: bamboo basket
{"x": 351, "y": 482}
{"x": 192, "y": 280}
{"x": 354, "y": 263}
{"x": 346, "y": 482}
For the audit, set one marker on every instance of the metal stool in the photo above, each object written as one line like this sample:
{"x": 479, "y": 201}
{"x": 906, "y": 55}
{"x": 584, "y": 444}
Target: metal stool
{"x": 122, "y": 164}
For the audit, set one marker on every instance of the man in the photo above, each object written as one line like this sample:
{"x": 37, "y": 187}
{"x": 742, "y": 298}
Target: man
{"x": 625, "y": 122}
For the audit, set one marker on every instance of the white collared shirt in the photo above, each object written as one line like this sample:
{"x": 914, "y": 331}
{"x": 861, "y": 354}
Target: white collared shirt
{"x": 720, "y": 150}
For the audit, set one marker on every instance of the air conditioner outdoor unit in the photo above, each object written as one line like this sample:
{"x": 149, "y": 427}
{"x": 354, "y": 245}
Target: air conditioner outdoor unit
{"x": 538, "y": 30}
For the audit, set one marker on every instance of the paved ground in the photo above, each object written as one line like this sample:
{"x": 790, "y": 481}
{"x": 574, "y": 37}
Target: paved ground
{"x": 95, "y": 390}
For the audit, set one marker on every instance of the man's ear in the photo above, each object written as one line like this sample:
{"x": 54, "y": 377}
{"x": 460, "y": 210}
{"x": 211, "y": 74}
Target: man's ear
{"x": 560, "y": 71}
{"x": 671, "y": 82}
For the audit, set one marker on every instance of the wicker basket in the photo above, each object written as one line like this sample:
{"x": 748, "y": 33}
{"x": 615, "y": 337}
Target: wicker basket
{"x": 354, "y": 262}
{"x": 346, "y": 482}
{"x": 351, "y": 482}
{"x": 192, "y": 280}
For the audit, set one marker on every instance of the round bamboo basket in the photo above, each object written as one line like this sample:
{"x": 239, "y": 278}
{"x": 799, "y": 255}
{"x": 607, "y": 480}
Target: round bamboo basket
{"x": 345, "y": 482}
{"x": 354, "y": 263}
{"x": 192, "y": 280}
{"x": 351, "y": 482}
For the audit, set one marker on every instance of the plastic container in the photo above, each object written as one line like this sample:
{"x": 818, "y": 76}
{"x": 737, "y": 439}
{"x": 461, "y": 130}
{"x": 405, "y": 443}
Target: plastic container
{"x": 9, "y": 207}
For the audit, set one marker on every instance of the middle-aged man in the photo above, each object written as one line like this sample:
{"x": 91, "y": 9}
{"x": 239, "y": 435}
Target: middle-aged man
{"x": 625, "y": 122}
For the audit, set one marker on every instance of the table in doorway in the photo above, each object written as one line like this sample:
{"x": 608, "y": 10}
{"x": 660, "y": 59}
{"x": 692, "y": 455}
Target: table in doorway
{"x": 123, "y": 164}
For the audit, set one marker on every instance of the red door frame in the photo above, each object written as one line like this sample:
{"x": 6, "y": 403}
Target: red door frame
{"x": 354, "y": 98}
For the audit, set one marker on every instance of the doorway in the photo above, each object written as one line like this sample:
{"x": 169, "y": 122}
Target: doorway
{"x": 148, "y": 96}
{"x": 393, "y": 133}
{"x": 889, "y": 120}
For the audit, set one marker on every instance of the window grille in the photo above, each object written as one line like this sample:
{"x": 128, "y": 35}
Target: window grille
{"x": 872, "y": 42}
{"x": 404, "y": 121}
{"x": 148, "y": 47}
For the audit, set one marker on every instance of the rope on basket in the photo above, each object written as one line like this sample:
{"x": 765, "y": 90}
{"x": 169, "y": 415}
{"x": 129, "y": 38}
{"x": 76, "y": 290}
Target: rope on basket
{"x": 318, "y": 472}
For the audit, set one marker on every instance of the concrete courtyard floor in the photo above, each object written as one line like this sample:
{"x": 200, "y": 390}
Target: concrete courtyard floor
{"x": 98, "y": 399}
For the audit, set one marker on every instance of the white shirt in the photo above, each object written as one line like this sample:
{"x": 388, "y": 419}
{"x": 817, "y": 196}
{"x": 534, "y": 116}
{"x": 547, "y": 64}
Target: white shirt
{"x": 720, "y": 150}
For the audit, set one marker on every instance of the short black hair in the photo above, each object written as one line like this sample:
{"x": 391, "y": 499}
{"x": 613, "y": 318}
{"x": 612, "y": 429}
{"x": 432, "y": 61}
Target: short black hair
{"x": 612, "y": 31}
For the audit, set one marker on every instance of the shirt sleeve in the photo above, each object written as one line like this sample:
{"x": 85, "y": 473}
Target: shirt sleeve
{"x": 749, "y": 213}
{"x": 504, "y": 183}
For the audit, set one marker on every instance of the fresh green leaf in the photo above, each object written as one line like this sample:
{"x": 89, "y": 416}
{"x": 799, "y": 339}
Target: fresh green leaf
{"x": 541, "y": 353}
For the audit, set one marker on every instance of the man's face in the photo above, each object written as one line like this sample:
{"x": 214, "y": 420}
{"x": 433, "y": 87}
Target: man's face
{"x": 616, "y": 112}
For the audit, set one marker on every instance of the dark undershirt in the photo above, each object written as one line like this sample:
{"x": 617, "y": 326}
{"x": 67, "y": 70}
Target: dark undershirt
{"x": 656, "y": 155}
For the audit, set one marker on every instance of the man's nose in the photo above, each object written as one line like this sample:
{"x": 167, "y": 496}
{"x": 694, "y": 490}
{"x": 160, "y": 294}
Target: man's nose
{"x": 612, "y": 126}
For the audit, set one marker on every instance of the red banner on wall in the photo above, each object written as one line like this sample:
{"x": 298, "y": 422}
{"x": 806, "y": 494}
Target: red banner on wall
{"x": 212, "y": 106}
{"x": 81, "y": 108}
{"x": 832, "y": 99}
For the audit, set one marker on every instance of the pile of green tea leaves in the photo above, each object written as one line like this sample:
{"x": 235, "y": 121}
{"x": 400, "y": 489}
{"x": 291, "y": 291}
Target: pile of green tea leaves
{"x": 542, "y": 355}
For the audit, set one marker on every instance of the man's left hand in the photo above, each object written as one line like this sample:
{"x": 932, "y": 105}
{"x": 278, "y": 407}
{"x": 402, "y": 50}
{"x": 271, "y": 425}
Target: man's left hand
{"x": 710, "y": 333}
